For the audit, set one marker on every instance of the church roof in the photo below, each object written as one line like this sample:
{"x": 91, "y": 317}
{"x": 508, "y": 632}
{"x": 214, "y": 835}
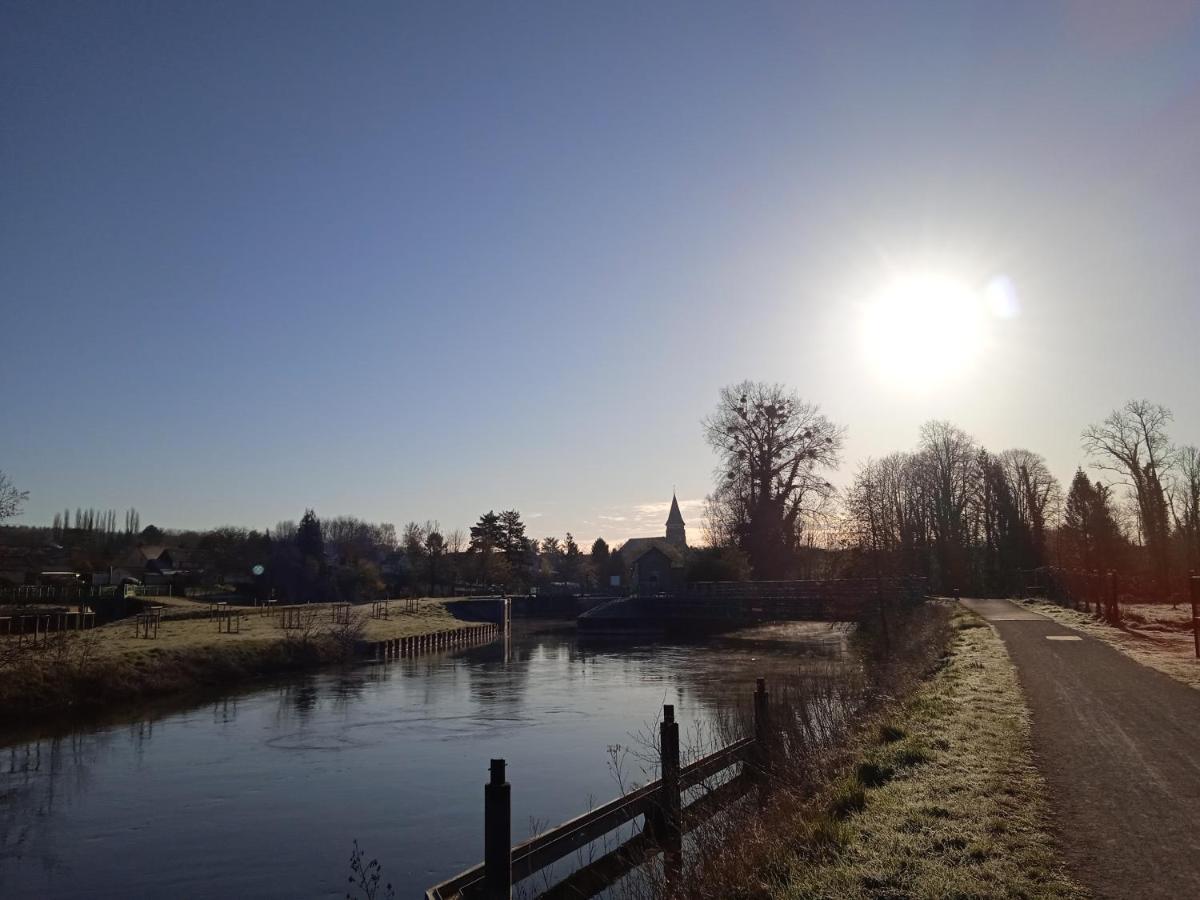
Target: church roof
{"x": 675, "y": 517}
{"x": 634, "y": 548}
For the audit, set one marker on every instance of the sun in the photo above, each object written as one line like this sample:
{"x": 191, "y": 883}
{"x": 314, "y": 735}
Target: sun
{"x": 923, "y": 329}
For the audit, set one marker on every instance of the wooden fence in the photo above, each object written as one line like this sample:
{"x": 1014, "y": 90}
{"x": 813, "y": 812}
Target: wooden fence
{"x": 659, "y": 803}
{"x": 415, "y": 645}
{"x": 53, "y": 593}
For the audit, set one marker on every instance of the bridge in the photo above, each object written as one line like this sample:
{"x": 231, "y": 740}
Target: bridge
{"x": 726, "y": 605}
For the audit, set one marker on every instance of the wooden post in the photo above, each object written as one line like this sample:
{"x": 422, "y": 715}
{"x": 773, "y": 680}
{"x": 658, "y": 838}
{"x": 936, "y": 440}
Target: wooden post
{"x": 497, "y": 835}
{"x": 672, "y": 802}
{"x": 1194, "y": 581}
{"x": 1113, "y": 611}
{"x": 762, "y": 754}
{"x": 668, "y": 821}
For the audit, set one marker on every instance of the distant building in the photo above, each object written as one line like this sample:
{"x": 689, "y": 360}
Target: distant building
{"x": 656, "y": 564}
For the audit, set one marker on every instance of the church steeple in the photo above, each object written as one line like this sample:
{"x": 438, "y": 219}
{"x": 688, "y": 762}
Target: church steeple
{"x": 676, "y": 530}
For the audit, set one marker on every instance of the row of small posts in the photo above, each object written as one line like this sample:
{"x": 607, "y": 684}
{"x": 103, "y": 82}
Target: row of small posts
{"x": 37, "y": 626}
{"x": 664, "y": 811}
{"x": 394, "y": 648}
{"x": 1096, "y": 591}
{"x": 145, "y": 623}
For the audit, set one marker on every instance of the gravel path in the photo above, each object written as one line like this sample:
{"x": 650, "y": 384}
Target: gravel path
{"x": 1119, "y": 746}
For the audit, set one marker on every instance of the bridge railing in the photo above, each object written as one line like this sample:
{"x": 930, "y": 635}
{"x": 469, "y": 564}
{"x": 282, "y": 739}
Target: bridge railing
{"x": 659, "y": 803}
{"x": 843, "y": 598}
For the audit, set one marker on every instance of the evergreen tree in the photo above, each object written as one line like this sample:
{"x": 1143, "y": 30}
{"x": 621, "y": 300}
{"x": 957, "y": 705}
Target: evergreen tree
{"x": 513, "y": 544}
{"x": 309, "y": 541}
{"x": 487, "y": 534}
{"x": 600, "y": 559}
{"x": 573, "y": 560}
{"x": 1090, "y": 525}
{"x": 435, "y": 549}
{"x": 487, "y": 537}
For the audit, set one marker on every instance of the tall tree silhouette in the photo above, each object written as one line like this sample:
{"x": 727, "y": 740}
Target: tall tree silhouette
{"x": 773, "y": 450}
{"x": 309, "y": 540}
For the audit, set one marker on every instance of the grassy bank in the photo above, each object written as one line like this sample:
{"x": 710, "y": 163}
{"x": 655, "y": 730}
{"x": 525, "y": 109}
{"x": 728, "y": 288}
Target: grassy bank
{"x": 83, "y": 672}
{"x": 942, "y": 798}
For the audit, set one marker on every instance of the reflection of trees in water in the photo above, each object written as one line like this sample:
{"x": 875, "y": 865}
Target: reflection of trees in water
{"x": 499, "y": 672}
{"x": 225, "y": 710}
{"x": 298, "y": 699}
{"x": 39, "y": 781}
{"x": 347, "y": 688}
{"x": 715, "y": 674}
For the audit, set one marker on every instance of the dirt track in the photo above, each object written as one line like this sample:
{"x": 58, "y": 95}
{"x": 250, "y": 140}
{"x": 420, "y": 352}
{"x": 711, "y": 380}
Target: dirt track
{"x": 1119, "y": 746}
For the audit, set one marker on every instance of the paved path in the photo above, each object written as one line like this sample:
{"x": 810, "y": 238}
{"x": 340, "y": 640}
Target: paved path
{"x": 1119, "y": 746}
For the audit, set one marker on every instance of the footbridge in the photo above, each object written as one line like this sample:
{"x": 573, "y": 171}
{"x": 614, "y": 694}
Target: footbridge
{"x": 726, "y": 605}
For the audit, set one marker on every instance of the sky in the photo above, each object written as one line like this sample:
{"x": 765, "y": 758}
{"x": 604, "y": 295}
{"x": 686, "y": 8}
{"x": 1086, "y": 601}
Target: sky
{"x": 417, "y": 261}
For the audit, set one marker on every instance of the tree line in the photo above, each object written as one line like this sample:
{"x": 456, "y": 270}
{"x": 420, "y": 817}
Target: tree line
{"x": 949, "y": 509}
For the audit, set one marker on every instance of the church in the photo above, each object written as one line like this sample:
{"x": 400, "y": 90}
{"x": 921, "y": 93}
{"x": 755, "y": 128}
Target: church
{"x": 656, "y": 564}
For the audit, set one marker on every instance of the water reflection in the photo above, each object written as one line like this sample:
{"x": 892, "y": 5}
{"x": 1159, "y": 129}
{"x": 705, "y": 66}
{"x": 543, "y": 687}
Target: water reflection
{"x": 262, "y": 793}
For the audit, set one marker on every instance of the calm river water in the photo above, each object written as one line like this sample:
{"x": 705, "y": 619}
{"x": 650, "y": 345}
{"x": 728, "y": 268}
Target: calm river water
{"x": 263, "y": 794}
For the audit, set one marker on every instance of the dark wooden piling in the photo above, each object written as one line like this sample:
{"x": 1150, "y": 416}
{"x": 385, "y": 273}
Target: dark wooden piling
{"x": 1194, "y": 581}
{"x": 667, "y": 823}
{"x": 762, "y": 716}
{"x": 497, "y": 835}
{"x": 1113, "y": 613}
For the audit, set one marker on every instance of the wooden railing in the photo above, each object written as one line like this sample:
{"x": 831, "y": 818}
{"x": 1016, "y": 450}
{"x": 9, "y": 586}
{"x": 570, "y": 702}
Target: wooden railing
{"x": 659, "y": 803}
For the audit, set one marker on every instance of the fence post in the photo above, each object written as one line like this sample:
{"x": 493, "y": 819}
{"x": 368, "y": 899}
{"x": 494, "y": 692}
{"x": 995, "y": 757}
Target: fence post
{"x": 762, "y": 714}
{"x": 1194, "y": 580}
{"x": 497, "y": 835}
{"x": 669, "y": 826}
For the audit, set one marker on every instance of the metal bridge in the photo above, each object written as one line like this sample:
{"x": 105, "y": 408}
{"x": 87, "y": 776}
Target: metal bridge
{"x": 721, "y": 605}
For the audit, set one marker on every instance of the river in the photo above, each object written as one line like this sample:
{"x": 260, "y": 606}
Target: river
{"x": 263, "y": 793}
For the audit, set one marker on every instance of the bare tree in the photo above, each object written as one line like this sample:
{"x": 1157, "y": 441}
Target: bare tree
{"x": 456, "y": 544}
{"x": 948, "y": 466}
{"x": 1185, "y": 503}
{"x": 773, "y": 449}
{"x": 435, "y": 549}
{"x": 1036, "y": 493}
{"x": 1132, "y": 443}
{"x": 11, "y": 500}
{"x": 887, "y": 513}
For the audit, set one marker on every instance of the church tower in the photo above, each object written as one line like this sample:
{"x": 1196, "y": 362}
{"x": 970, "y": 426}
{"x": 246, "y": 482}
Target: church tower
{"x": 676, "y": 530}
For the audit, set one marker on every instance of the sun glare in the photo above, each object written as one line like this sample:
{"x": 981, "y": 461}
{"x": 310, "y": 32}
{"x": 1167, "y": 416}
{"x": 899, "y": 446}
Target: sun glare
{"x": 923, "y": 329}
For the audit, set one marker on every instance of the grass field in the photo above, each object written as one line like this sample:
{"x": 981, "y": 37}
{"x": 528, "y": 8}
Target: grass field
{"x": 945, "y": 801}
{"x": 177, "y": 632}
{"x": 90, "y": 670}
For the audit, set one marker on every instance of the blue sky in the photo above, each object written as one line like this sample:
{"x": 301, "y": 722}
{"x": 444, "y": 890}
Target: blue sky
{"x": 412, "y": 261}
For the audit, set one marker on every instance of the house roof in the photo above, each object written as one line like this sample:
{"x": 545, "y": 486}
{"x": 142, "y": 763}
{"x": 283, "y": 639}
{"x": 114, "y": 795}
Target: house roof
{"x": 675, "y": 517}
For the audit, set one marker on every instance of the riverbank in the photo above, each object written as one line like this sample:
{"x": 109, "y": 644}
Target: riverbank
{"x": 84, "y": 672}
{"x": 944, "y": 799}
